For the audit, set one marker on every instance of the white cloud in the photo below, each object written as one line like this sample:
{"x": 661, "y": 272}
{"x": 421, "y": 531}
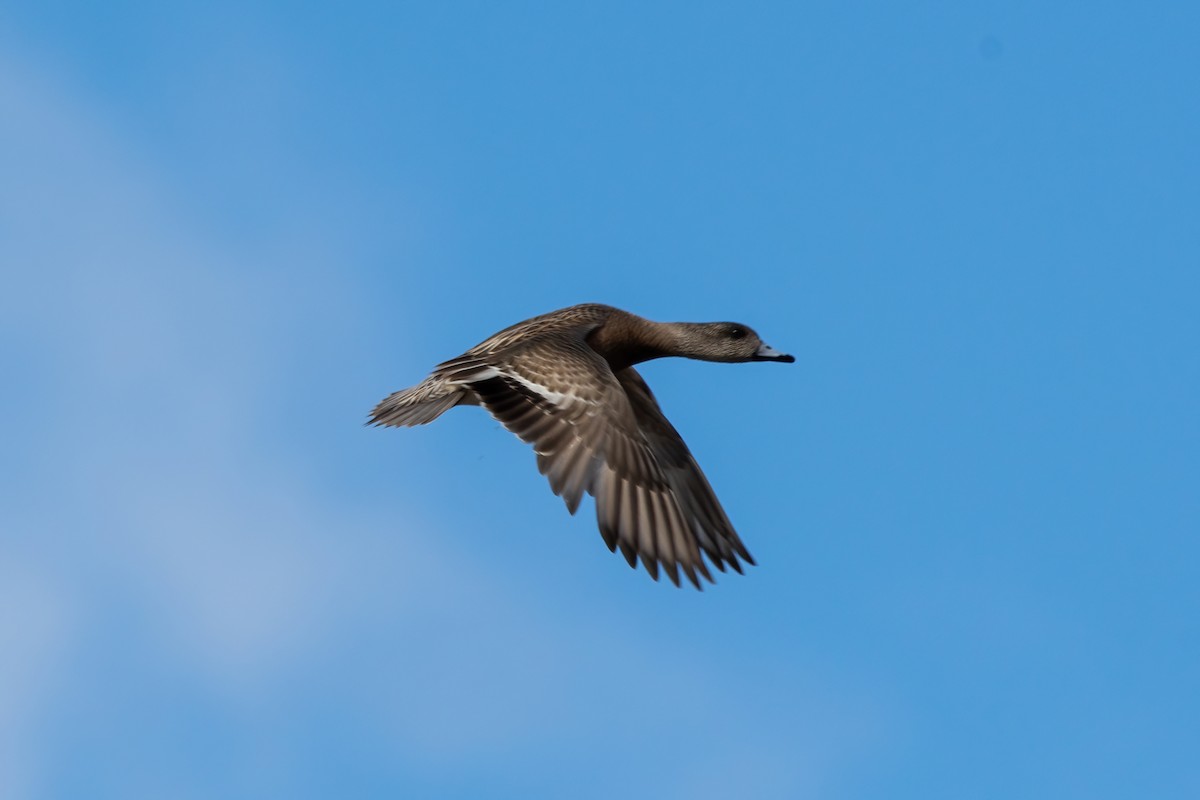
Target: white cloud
{"x": 151, "y": 354}
{"x": 35, "y": 631}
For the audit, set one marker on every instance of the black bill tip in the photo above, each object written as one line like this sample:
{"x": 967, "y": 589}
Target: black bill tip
{"x": 767, "y": 353}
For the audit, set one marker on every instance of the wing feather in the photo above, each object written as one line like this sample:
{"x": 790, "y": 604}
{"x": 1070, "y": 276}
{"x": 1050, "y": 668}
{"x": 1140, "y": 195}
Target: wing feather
{"x": 605, "y": 435}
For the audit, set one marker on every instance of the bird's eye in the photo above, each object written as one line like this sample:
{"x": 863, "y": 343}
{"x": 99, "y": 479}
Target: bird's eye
{"x": 737, "y": 333}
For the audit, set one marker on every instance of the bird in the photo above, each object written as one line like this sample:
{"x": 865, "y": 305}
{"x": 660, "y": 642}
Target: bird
{"x": 565, "y": 383}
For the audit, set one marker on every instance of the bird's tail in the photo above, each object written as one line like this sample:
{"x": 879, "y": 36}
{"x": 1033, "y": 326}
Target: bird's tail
{"x": 420, "y": 404}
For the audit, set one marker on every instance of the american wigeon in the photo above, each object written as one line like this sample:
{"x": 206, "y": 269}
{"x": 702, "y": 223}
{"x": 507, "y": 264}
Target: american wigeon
{"x": 565, "y": 383}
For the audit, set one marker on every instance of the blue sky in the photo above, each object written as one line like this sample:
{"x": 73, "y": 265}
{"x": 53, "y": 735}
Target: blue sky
{"x": 226, "y": 231}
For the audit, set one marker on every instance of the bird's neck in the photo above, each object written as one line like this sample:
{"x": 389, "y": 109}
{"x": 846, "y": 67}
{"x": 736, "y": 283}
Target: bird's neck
{"x": 626, "y": 339}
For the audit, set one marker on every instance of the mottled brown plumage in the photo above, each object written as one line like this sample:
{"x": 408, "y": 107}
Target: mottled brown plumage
{"x": 564, "y": 382}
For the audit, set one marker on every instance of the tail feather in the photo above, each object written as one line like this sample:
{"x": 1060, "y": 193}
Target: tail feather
{"x": 418, "y": 405}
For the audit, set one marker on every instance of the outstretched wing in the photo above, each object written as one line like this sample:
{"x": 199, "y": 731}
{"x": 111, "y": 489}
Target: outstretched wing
{"x": 708, "y": 523}
{"x": 605, "y": 435}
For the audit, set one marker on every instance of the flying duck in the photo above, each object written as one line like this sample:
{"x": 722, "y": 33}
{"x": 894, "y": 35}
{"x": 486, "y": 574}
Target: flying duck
{"x": 565, "y": 383}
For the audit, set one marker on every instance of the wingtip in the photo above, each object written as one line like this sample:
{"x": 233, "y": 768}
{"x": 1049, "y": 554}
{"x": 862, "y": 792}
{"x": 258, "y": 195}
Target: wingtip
{"x": 651, "y": 566}
{"x": 610, "y": 539}
{"x": 629, "y": 553}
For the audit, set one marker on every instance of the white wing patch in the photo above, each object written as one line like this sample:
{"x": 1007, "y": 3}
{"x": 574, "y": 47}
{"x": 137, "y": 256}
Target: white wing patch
{"x": 557, "y": 398}
{"x": 465, "y": 376}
